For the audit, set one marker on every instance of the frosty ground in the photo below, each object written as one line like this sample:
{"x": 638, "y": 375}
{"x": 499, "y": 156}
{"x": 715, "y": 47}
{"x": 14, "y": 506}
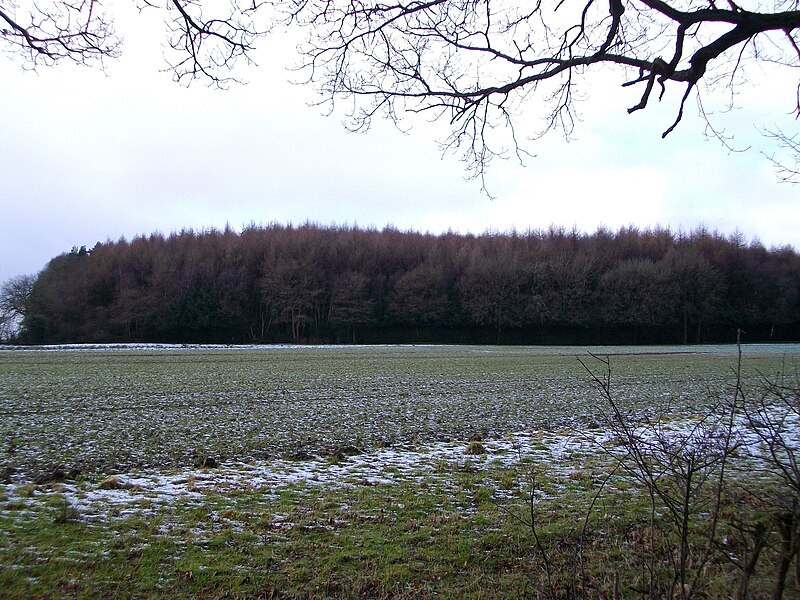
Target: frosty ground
{"x": 172, "y": 452}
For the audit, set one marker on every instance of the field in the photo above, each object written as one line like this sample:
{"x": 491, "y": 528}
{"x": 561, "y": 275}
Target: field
{"x": 389, "y": 471}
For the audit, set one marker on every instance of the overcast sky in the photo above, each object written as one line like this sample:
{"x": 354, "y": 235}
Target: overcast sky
{"x": 88, "y": 156}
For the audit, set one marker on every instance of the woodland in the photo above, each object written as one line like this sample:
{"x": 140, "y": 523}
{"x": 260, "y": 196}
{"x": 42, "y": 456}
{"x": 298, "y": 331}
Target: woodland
{"x": 342, "y": 284}
{"x": 479, "y": 65}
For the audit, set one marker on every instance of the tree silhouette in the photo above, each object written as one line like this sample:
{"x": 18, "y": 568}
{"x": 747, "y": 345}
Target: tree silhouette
{"x": 14, "y": 299}
{"x": 480, "y": 64}
{"x": 477, "y": 62}
{"x": 205, "y": 46}
{"x": 327, "y": 284}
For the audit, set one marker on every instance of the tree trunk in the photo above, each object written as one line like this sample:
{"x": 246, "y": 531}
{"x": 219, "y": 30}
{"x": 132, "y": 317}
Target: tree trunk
{"x": 685, "y": 328}
{"x": 786, "y": 529}
{"x": 750, "y": 567}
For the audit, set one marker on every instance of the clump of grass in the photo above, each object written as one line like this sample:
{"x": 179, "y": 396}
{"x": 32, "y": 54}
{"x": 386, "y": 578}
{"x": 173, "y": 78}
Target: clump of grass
{"x": 508, "y": 479}
{"x": 29, "y": 490}
{"x": 206, "y": 462}
{"x": 13, "y": 444}
{"x": 483, "y": 494}
{"x": 55, "y": 475}
{"x": 442, "y": 466}
{"x": 114, "y": 483}
{"x": 341, "y": 452}
{"x": 6, "y": 474}
{"x": 65, "y": 512}
{"x": 300, "y": 454}
{"x": 475, "y": 447}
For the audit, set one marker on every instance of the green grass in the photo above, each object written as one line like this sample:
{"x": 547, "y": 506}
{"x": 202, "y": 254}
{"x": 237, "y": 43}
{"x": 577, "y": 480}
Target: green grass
{"x": 447, "y": 536}
{"x": 107, "y": 411}
{"x": 452, "y": 540}
{"x": 370, "y": 538}
{"x": 453, "y": 527}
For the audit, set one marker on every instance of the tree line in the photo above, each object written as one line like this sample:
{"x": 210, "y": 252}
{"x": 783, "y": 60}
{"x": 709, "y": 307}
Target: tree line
{"x": 309, "y": 283}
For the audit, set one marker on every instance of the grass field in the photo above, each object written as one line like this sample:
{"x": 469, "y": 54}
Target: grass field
{"x": 320, "y": 471}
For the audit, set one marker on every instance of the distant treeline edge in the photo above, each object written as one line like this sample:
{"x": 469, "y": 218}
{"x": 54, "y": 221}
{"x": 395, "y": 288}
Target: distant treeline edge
{"x": 309, "y": 283}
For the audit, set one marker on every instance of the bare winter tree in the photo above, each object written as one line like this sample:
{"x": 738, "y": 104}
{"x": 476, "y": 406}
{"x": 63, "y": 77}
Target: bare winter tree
{"x": 474, "y": 62}
{"x": 477, "y": 61}
{"x": 14, "y": 296}
{"x": 52, "y": 32}
{"x": 208, "y": 38}
{"x": 788, "y": 169}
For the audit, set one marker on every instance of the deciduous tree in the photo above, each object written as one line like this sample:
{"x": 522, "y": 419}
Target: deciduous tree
{"x": 14, "y": 297}
{"x": 207, "y": 38}
{"x": 483, "y": 65}
{"x": 351, "y": 304}
{"x": 279, "y": 283}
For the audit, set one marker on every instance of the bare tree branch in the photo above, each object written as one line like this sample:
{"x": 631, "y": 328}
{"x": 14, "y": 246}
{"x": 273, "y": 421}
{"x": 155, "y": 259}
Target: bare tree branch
{"x": 50, "y": 33}
{"x": 483, "y": 66}
{"x": 477, "y": 62}
{"x": 205, "y": 47}
{"x": 788, "y": 171}
{"x": 209, "y": 48}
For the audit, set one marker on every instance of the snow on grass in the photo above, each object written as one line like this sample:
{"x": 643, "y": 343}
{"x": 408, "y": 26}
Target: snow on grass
{"x": 143, "y": 492}
{"x": 558, "y": 453}
{"x": 101, "y": 409}
{"x": 147, "y": 416}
